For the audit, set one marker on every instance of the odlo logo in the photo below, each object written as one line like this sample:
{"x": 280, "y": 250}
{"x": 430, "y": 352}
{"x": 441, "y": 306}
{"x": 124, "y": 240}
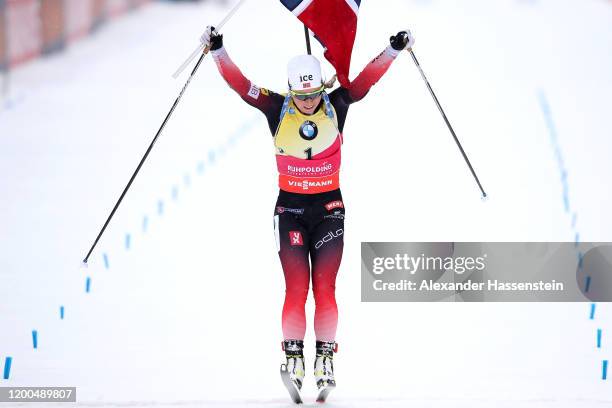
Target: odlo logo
{"x": 309, "y": 130}
{"x": 330, "y": 236}
{"x": 295, "y": 237}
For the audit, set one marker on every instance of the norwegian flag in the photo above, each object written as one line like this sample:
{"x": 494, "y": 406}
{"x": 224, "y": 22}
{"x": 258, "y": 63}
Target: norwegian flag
{"x": 334, "y": 24}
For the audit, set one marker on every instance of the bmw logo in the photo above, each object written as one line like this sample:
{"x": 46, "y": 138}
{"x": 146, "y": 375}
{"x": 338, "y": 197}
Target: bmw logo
{"x": 309, "y": 130}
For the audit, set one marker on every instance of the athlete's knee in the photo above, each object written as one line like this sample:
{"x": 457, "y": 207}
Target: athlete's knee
{"x": 296, "y": 294}
{"x": 324, "y": 293}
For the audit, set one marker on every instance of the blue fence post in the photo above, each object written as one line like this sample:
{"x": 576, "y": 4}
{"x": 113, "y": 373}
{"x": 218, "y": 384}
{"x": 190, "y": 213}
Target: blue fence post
{"x": 7, "y": 367}
{"x": 599, "y": 333}
{"x": 3, "y": 38}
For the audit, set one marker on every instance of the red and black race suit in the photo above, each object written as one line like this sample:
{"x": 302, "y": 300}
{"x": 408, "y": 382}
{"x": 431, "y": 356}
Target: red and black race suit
{"x": 309, "y": 213}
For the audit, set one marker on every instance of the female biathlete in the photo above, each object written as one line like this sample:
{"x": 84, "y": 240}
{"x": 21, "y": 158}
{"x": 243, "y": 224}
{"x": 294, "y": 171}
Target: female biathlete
{"x": 306, "y": 124}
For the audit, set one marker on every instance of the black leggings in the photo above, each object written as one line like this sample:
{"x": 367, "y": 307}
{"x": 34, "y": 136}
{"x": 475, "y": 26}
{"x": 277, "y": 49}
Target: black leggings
{"x": 310, "y": 225}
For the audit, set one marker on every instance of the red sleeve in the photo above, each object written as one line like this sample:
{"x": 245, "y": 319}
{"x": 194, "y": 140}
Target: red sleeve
{"x": 260, "y": 98}
{"x": 371, "y": 74}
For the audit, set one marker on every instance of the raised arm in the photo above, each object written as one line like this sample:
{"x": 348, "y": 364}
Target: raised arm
{"x": 372, "y": 73}
{"x": 267, "y": 102}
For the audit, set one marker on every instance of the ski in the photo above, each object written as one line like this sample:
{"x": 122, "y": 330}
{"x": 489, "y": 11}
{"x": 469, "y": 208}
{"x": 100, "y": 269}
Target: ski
{"x": 294, "y": 392}
{"x": 324, "y": 392}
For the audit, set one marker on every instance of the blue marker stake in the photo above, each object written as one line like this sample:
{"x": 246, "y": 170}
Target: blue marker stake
{"x": 7, "y": 367}
{"x": 160, "y": 207}
{"x": 87, "y": 284}
{"x": 35, "y": 339}
{"x": 592, "y": 311}
{"x": 580, "y": 258}
{"x": 127, "y": 241}
{"x": 187, "y": 180}
{"x": 587, "y": 285}
{"x": 574, "y": 217}
{"x": 62, "y": 312}
{"x": 175, "y": 193}
{"x": 599, "y": 338}
{"x": 211, "y": 156}
{"x": 604, "y": 374}
{"x": 200, "y": 167}
{"x": 105, "y": 258}
{"x": 577, "y": 240}
{"x": 145, "y": 223}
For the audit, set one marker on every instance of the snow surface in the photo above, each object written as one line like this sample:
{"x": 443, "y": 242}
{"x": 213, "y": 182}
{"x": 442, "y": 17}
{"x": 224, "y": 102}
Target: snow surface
{"x": 186, "y": 288}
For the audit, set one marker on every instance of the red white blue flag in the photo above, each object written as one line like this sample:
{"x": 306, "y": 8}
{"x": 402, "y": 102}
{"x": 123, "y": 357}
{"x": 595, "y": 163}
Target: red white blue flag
{"x": 334, "y": 24}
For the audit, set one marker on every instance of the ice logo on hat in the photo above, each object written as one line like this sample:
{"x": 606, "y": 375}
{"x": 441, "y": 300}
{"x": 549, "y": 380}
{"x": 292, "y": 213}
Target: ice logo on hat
{"x": 304, "y": 72}
{"x": 309, "y": 130}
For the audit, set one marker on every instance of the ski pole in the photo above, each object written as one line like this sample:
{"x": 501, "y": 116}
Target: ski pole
{"x": 200, "y": 47}
{"x": 204, "y": 51}
{"x": 414, "y": 58}
{"x": 307, "y": 34}
{"x": 146, "y": 154}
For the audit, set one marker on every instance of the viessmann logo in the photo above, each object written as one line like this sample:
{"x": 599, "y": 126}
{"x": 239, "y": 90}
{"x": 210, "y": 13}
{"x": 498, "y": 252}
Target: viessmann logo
{"x": 306, "y": 184}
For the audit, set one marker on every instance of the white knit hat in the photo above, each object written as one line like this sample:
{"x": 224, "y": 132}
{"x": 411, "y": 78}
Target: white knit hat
{"x": 304, "y": 72}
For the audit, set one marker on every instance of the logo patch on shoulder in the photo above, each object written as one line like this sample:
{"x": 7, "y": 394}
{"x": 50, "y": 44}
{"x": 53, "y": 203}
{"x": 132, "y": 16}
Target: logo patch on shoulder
{"x": 254, "y": 92}
{"x": 295, "y": 237}
{"x": 334, "y": 204}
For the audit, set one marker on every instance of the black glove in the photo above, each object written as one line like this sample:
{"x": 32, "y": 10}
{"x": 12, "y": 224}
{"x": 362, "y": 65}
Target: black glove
{"x": 402, "y": 40}
{"x": 216, "y": 40}
{"x": 212, "y": 37}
